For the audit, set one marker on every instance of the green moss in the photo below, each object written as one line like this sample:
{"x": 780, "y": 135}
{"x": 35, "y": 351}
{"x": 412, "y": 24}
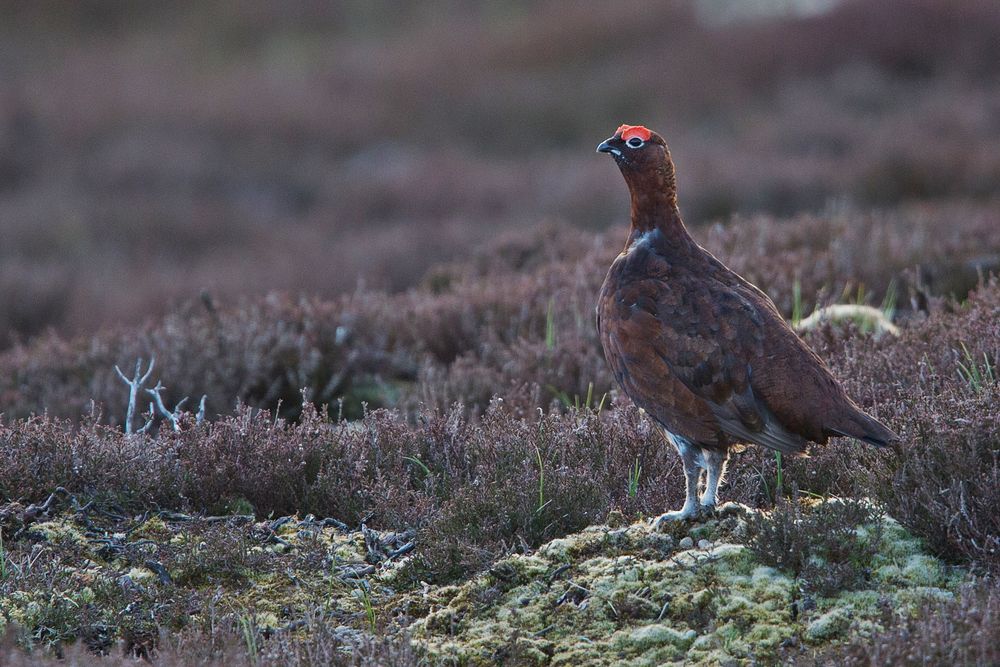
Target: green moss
{"x": 266, "y": 619}
{"x": 662, "y": 641}
{"x": 58, "y": 532}
{"x": 830, "y": 625}
{"x": 140, "y": 574}
{"x": 153, "y": 528}
{"x": 630, "y": 596}
{"x": 923, "y": 570}
{"x": 866, "y": 318}
{"x": 624, "y": 595}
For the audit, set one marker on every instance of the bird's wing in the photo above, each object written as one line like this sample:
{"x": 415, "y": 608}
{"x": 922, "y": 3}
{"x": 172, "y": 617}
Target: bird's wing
{"x": 684, "y": 353}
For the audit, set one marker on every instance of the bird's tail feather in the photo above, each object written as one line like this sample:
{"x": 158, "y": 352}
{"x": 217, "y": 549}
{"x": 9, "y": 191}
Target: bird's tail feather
{"x": 860, "y": 426}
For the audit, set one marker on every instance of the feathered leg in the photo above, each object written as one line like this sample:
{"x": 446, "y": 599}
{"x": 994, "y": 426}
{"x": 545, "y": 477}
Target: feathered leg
{"x": 692, "y": 459}
{"x": 715, "y": 465}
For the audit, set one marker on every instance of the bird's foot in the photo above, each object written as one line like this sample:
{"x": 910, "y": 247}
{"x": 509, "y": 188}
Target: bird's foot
{"x": 690, "y": 512}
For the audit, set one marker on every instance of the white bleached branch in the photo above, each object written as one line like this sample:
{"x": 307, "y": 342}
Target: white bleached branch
{"x": 150, "y": 417}
{"x": 200, "y": 417}
{"x": 134, "y": 385}
{"x": 173, "y": 416}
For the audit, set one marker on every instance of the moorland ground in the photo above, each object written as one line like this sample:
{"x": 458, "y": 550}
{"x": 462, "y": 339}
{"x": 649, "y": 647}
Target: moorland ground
{"x": 463, "y": 422}
{"x": 388, "y": 466}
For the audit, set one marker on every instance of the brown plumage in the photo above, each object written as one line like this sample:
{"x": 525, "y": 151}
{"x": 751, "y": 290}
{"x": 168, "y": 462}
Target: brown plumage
{"x": 705, "y": 353}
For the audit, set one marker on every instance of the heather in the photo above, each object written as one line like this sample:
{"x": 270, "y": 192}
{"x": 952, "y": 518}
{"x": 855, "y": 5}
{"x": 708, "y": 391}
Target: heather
{"x": 935, "y": 384}
{"x": 359, "y": 245}
{"x": 149, "y": 153}
{"x": 515, "y": 320}
{"x": 424, "y": 438}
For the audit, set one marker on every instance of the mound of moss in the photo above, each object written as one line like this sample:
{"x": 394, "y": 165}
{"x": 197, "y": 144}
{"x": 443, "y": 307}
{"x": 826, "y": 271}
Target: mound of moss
{"x": 704, "y": 593}
{"x": 742, "y": 586}
{"x": 82, "y": 576}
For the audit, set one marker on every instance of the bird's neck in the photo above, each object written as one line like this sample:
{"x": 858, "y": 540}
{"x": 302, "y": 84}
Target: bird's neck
{"x": 654, "y": 201}
{"x": 656, "y": 209}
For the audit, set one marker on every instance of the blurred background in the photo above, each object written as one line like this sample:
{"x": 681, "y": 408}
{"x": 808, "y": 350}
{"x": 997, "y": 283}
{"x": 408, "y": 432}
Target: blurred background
{"x": 151, "y": 151}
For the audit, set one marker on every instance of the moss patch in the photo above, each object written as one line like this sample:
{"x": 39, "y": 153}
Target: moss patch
{"x": 697, "y": 594}
{"x": 630, "y": 596}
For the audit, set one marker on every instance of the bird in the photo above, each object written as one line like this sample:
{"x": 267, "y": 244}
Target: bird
{"x": 704, "y": 352}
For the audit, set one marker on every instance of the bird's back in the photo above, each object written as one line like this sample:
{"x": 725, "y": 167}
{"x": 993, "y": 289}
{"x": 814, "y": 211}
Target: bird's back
{"x": 709, "y": 356}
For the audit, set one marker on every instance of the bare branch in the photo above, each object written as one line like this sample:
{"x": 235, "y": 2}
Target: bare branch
{"x": 173, "y": 416}
{"x": 134, "y": 385}
{"x": 151, "y": 414}
{"x": 200, "y": 417}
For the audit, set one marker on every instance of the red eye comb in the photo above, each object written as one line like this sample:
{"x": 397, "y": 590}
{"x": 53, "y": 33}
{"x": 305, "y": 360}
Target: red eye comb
{"x": 631, "y": 131}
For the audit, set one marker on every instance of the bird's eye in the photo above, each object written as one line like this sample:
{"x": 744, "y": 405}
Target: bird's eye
{"x": 635, "y": 142}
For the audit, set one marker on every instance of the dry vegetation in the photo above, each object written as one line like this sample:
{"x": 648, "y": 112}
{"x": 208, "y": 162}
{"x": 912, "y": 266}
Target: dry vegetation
{"x": 468, "y": 419}
{"x": 494, "y": 435}
{"x": 147, "y": 154}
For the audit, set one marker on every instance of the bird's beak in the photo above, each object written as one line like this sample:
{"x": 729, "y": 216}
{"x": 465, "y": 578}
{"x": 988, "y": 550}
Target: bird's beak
{"x": 606, "y": 147}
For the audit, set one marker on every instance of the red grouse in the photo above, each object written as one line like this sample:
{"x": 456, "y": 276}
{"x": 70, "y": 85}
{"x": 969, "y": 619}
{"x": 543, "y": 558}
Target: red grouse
{"x": 705, "y": 353}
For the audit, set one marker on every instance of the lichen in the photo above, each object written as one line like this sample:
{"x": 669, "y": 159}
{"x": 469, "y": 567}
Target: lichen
{"x": 140, "y": 574}
{"x": 57, "y": 532}
{"x": 153, "y": 528}
{"x": 632, "y": 596}
{"x": 609, "y": 594}
{"x": 864, "y": 317}
{"x": 830, "y": 625}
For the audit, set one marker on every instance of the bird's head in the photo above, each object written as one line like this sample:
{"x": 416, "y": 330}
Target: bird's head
{"x": 643, "y": 158}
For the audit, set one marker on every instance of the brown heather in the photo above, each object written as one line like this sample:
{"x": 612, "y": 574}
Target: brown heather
{"x": 465, "y": 341}
{"x": 961, "y": 631}
{"x": 471, "y": 487}
{"x": 451, "y": 410}
{"x": 478, "y": 329}
{"x": 226, "y": 647}
{"x": 486, "y": 476}
{"x": 147, "y": 154}
{"x": 468, "y": 400}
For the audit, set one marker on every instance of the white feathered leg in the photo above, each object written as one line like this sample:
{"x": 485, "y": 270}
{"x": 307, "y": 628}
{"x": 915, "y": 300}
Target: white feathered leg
{"x": 693, "y": 461}
{"x": 715, "y": 465}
